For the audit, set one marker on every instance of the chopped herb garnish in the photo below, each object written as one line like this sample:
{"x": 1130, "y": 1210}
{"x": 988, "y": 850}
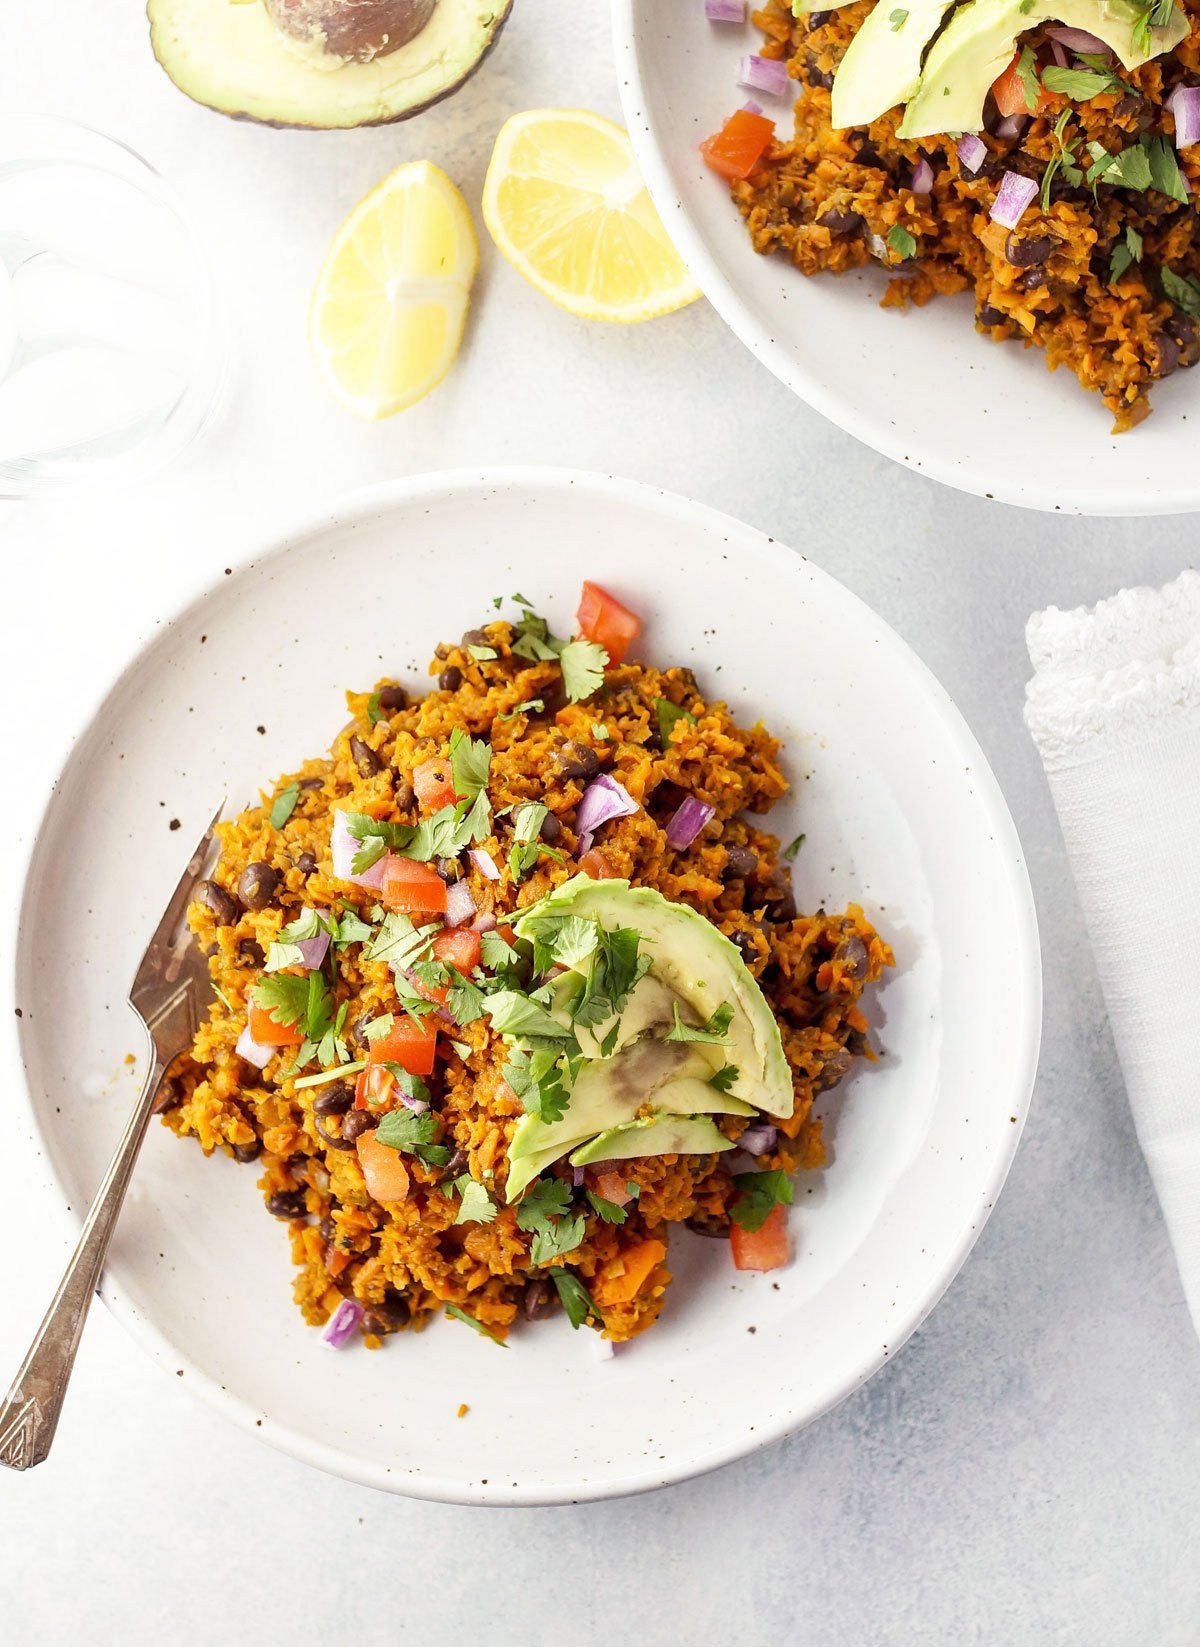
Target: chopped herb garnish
{"x": 758, "y": 1194}
{"x": 465, "y": 999}
{"x": 601, "y": 733}
{"x": 374, "y": 713}
{"x": 470, "y": 762}
{"x": 284, "y": 805}
{"x": 531, "y": 706}
{"x": 223, "y": 998}
{"x": 542, "y": 1213}
{"x": 1181, "y": 290}
{"x": 284, "y": 996}
{"x": 534, "y": 640}
{"x": 335, "y": 1074}
{"x": 1079, "y": 84}
{"x": 306, "y": 1002}
{"x": 476, "y": 1326}
{"x": 517, "y": 1015}
{"x": 408, "y": 1132}
{"x": 901, "y": 242}
{"x": 574, "y": 1296}
{"x": 378, "y": 1027}
{"x": 1062, "y": 160}
{"x": 526, "y": 847}
{"x": 1028, "y": 76}
{"x": 1149, "y": 163}
{"x": 897, "y": 19}
{"x": 714, "y": 1032}
{"x": 669, "y": 715}
{"x": 617, "y": 965}
{"x": 483, "y": 654}
{"x": 609, "y": 1211}
{"x": 477, "y": 1205}
{"x": 536, "y": 1076}
{"x": 583, "y": 665}
{"x": 724, "y": 1077}
{"x": 352, "y": 929}
{"x": 398, "y": 942}
{"x": 791, "y": 849}
{"x": 497, "y": 952}
{"x": 1126, "y": 253}
{"x": 376, "y": 838}
{"x": 1153, "y": 14}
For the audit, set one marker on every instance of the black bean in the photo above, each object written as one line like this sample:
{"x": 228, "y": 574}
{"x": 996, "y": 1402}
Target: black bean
{"x": 739, "y": 860}
{"x": 248, "y": 1152}
{"x": 403, "y": 794}
{"x": 365, "y": 758}
{"x": 538, "y": 1301}
{"x": 392, "y": 698}
{"x": 257, "y": 885}
{"x": 389, "y": 1316}
{"x": 815, "y": 74}
{"x": 838, "y": 222}
{"x": 327, "y": 1229}
{"x": 852, "y": 953}
{"x": 1183, "y": 329}
{"x": 312, "y": 783}
{"x": 447, "y": 868}
{"x": 835, "y": 1067}
{"x": 818, "y": 19}
{"x": 450, "y": 679}
{"x": 455, "y": 1164}
{"x": 744, "y": 942}
{"x": 441, "y": 650}
{"x": 358, "y": 1034}
{"x": 868, "y": 154}
{"x": 551, "y": 828}
{"x": 331, "y": 1138}
{"x": 1168, "y": 355}
{"x": 287, "y": 1204}
{"x": 213, "y": 949}
{"x": 250, "y": 952}
{"x": 712, "y": 1224}
{"x": 334, "y": 1100}
{"x": 1033, "y": 279}
{"x": 1036, "y": 249}
{"x": 989, "y": 316}
{"x": 170, "y": 1095}
{"x": 306, "y": 863}
{"x": 576, "y": 760}
{"x": 223, "y": 904}
{"x": 356, "y": 1123}
{"x": 474, "y": 637}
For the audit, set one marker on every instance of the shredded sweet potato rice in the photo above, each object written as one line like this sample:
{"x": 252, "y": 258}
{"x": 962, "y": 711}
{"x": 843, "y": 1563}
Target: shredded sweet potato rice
{"x": 449, "y": 1241}
{"x": 1104, "y": 278}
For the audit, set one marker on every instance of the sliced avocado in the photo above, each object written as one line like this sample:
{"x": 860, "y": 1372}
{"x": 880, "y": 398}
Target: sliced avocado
{"x": 978, "y": 44}
{"x": 232, "y": 57}
{"x": 656, "y": 1135}
{"x": 882, "y": 65}
{"x": 698, "y": 966}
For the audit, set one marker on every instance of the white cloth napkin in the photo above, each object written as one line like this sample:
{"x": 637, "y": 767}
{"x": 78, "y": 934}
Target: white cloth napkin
{"x": 1114, "y": 708}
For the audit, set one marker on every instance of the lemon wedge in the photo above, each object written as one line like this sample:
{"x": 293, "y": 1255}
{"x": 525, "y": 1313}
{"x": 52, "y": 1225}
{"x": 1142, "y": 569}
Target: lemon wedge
{"x": 390, "y": 302}
{"x": 565, "y": 202}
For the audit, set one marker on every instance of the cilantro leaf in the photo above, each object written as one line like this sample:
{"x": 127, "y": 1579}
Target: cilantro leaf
{"x": 284, "y": 805}
{"x": 574, "y": 1296}
{"x": 476, "y": 1326}
{"x": 669, "y": 715}
{"x": 531, "y": 706}
{"x": 901, "y": 242}
{"x": 534, "y": 640}
{"x": 1028, "y": 76}
{"x": 515, "y": 1014}
{"x": 1126, "y": 253}
{"x": 352, "y": 929}
{"x": 609, "y": 1211}
{"x": 284, "y": 996}
{"x": 398, "y": 942}
{"x": 542, "y": 1214}
{"x": 545, "y": 1198}
{"x": 1181, "y": 290}
{"x": 715, "y": 1032}
{"x": 1079, "y": 84}
{"x": 758, "y": 1194}
{"x": 897, "y": 19}
{"x": 378, "y": 1027}
{"x": 536, "y": 1077}
{"x": 526, "y": 848}
{"x": 477, "y": 1205}
{"x": 465, "y": 1000}
{"x": 374, "y": 713}
{"x": 470, "y": 763}
{"x": 583, "y": 664}
{"x": 562, "y": 940}
{"x": 482, "y": 654}
{"x": 791, "y": 849}
{"x": 497, "y": 952}
{"x": 617, "y": 965}
{"x": 724, "y": 1077}
{"x": 412, "y": 1134}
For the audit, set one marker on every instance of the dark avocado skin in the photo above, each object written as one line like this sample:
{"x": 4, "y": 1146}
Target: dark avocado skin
{"x": 503, "y": 8}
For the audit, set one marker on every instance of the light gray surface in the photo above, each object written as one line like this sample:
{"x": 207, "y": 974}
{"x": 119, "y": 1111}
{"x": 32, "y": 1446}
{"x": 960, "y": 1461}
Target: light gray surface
{"x": 1029, "y": 1469}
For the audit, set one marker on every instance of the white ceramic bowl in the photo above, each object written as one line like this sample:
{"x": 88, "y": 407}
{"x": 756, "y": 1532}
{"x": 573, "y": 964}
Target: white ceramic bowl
{"x": 900, "y": 812}
{"x": 922, "y": 387}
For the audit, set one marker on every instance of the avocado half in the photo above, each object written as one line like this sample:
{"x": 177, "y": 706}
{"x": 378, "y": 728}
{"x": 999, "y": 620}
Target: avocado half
{"x": 229, "y": 55}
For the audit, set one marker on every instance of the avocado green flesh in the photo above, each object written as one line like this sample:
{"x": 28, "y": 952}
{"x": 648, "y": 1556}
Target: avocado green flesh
{"x": 232, "y": 58}
{"x": 657, "y": 1135}
{"x": 978, "y": 44}
{"x": 882, "y": 65}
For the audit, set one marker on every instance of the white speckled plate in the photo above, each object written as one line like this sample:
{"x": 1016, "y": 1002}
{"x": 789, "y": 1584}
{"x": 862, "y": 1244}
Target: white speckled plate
{"x": 924, "y": 387}
{"x": 899, "y": 810}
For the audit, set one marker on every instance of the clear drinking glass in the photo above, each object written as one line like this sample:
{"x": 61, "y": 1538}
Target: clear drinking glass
{"x": 111, "y": 356}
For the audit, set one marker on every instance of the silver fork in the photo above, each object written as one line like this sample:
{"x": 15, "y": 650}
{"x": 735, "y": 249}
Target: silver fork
{"x": 170, "y": 992}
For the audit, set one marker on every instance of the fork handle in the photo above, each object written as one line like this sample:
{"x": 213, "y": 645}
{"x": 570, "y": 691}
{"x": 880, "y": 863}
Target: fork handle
{"x": 30, "y": 1411}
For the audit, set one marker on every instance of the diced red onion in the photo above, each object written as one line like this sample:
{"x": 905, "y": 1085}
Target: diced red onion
{"x": 602, "y": 800}
{"x": 340, "y": 1328}
{"x": 1011, "y": 126}
{"x": 484, "y": 863}
{"x": 313, "y": 950}
{"x": 757, "y": 1140}
{"x": 417, "y": 1105}
{"x": 971, "y": 151}
{"x": 1075, "y": 39}
{"x": 922, "y": 177}
{"x": 1013, "y": 197}
{"x": 688, "y": 822}
{"x": 460, "y": 906}
{"x": 254, "y": 1052}
{"x": 485, "y": 921}
{"x": 577, "y": 1177}
{"x": 764, "y": 74}
{"x": 751, "y": 107}
{"x": 1058, "y": 52}
{"x": 344, "y": 849}
{"x": 1184, "y": 104}
{"x": 725, "y": 11}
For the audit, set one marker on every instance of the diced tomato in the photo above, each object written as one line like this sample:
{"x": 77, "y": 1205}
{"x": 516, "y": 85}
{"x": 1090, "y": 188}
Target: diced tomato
{"x": 762, "y": 1249}
{"x": 740, "y": 144}
{"x": 414, "y": 887}
{"x": 375, "y": 1089}
{"x": 610, "y": 1186}
{"x": 601, "y": 617}
{"x": 409, "y": 1044}
{"x": 460, "y": 948}
{"x": 434, "y": 783}
{"x": 268, "y": 1033}
{"x": 1008, "y": 92}
{"x": 383, "y": 1169}
{"x": 597, "y": 866}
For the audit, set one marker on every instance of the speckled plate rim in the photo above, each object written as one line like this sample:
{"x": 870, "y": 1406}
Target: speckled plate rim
{"x": 344, "y": 512}
{"x": 1166, "y": 496}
